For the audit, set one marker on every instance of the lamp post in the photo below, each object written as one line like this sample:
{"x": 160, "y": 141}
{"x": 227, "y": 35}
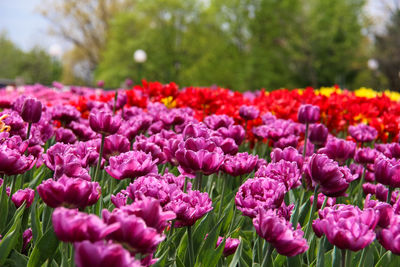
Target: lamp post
{"x": 140, "y": 57}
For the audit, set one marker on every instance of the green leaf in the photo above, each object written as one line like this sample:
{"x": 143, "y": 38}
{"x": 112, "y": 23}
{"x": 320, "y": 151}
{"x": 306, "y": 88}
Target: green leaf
{"x": 228, "y": 216}
{"x": 39, "y": 175}
{"x": 384, "y": 260}
{"x": 170, "y": 241}
{"x": 213, "y": 255}
{"x": 328, "y": 258}
{"x": 3, "y": 205}
{"x": 11, "y": 238}
{"x": 237, "y": 255}
{"x": 321, "y": 252}
{"x": 210, "y": 242}
{"x": 35, "y": 221}
{"x": 18, "y": 213}
{"x": 279, "y": 260}
{"x": 255, "y": 251}
{"x": 369, "y": 260}
{"x": 336, "y": 257}
{"x": 294, "y": 261}
{"x": 46, "y": 218}
{"x": 244, "y": 263}
{"x": 183, "y": 247}
{"x": 162, "y": 261}
{"x": 44, "y": 249}
{"x": 16, "y": 259}
{"x": 179, "y": 262}
{"x": 202, "y": 229}
{"x": 395, "y": 260}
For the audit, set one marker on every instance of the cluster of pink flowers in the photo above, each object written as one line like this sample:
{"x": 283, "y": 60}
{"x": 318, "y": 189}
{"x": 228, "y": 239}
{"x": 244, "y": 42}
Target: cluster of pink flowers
{"x": 120, "y": 178}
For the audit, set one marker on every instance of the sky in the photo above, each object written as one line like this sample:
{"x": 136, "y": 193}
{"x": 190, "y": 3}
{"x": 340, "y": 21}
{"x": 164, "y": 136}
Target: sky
{"x": 27, "y": 28}
{"x": 24, "y": 25}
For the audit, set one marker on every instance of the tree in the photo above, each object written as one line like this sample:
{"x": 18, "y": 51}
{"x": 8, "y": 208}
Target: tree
{"x": 158, "y": 27}
{"x": 274, "y": 33}
{"x": 34, "y": 66}
{"x": 240, "y": 44}
{"x": 10, "y": 57}
{"x": 332, "y": 40}
{"x": 388, "y": 51}
{"x": 85, "y": 24}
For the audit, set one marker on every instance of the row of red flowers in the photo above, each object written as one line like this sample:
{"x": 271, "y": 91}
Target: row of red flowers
{"x": 339, "y": 110}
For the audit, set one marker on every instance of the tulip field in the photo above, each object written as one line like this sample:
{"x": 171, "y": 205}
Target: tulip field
{"x": 157, "y": 175}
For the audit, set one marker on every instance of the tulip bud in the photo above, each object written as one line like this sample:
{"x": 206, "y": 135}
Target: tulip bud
{"x": 100, "y": 83}
{"x": 131, "y": 164}
{"x": 69, "y": 192}
{"x": 189, "y": 207}
{"x": 23, "y": 195}
{"x": 346, "y": 226}
{"x": 31, "y": 110}
{"x": 27, "y": 238}
{"x": 104, "y": 122}
{"x": 308, "y": 114}
{"x": 363, "y": 133}
{"x": 231, "y": 245}
{"x": 102, "y": 254}
{"x": 248, "y": 112}
{"x": 241, "y": 163}
{"x": 332, "y": 179}
{"x": 280, "y": 233}
{"x": 390, "y": 237}
{"x": 318, "y": 134}
{"x": 73, "y": 226}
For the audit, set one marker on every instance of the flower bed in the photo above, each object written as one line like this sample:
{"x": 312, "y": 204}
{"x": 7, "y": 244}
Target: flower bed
{"x": 154, "y": 175}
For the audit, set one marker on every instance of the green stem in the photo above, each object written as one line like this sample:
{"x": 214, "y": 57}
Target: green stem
{"x": 389, "y": 196}
{"x": 324, "y": 203}
{"x": 96, "y": 173}
{"x": 29, "y": 131}
{"x": 109, "y": 186}
{"x": 185, "y": 185}
{"x": 222, "y": 196}
{"x": 3, "y": 202}
{"x": 362, "y": 258}
{"x": 171, "y": 230}
{"x": 163, "y": 168}
{"x": 71, "y": 258}
{"x": 295, "y": 217}
{"x": 232, "y": 222}
{"x": 259, "y": 247}
{"x": 343, "y": 261}
{"x": 266, "y": 153}
{"x": 359, "y": 186}
{"x": 12, "y": 188}
{"x": 321, "y": 253}
{"x": 131, "y": 145}
{"x": 199, "y": 178}
{"x": 245, "y": 130}
{"x": 267, "y": 256}
{"x": 46, "y": 218}
{"x": 191, "y": 250}
{"x": 305, "y": 141}
{"x": 255, "y": 147}
{"x": 115, "y": 102}
{"x": 312, "y": 210}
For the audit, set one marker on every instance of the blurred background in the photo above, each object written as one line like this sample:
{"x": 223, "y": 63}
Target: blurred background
{"x": 238, "y": 44}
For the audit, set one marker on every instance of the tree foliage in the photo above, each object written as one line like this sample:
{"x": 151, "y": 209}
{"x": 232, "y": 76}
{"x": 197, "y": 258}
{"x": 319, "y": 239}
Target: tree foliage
{"x": 388, "y": 51}
{"x": 34, "y": 66}
{"x": 240, "y": 44}
{"x": 84, "y": 24}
